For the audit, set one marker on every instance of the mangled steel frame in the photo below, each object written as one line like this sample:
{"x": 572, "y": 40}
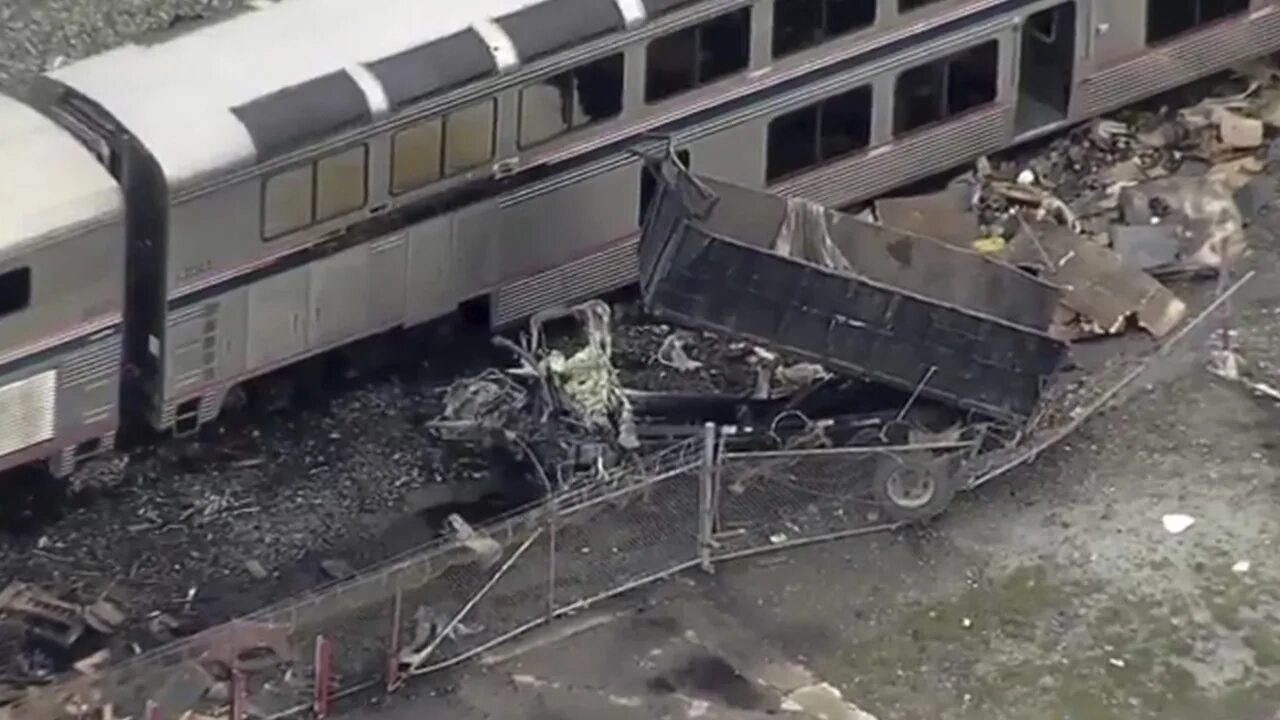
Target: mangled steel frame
{"x": 553, "y": 410}
{"x": 879, "y": 304}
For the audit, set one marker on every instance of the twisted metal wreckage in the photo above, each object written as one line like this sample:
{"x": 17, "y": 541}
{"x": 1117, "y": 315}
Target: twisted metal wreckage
{"x": 917, "y": 345}
{"x": 918, "y": 353}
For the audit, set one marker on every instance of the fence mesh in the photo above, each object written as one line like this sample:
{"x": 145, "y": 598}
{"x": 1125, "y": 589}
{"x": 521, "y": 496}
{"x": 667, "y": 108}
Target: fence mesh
{"x": 689, "y": 504}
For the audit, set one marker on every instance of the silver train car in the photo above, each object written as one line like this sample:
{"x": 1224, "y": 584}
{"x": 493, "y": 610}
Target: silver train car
{"x": 311, "y": 173}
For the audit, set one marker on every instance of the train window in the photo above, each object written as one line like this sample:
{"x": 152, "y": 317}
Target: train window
{"x": 819, "y": 133}
{"x": 288, "y": 201}
{"x": 929, "y": 93}
{"x": 468, "y": 137}
{"x": 571, "y": 100}
{"x": 341, "y": 183}
{"x": 694, "y": 56}
{"x": 801, "y": 24}
{"x": 15, "y": 290}
{"x": 1169, "y": 18}
{"x": 416, "y": 156}
{"x": 906, "y": 6}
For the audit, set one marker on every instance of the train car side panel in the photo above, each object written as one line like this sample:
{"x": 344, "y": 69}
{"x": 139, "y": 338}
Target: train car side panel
{"x": 734, "y": 155}
{"x": 276, "y": 328}
{"x": 214, "y": 234}
{"x": 388, "y": 268}
{"x": 1117, "y": 31}
{"x": 601, "y": 271}
{"x": 435, "y": 281}
{"x": 564, "y": 221}
{"x": 338, "y": 301}
{"x": 1215, "y": 47}
{"x": 61, "y": 299}
{"x": 563, "y": 226}
{"x": 28, "y": 409}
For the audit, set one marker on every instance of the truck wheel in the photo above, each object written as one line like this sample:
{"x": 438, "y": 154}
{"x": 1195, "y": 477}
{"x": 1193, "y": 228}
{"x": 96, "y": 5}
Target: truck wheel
{"x": 912, "y": 490}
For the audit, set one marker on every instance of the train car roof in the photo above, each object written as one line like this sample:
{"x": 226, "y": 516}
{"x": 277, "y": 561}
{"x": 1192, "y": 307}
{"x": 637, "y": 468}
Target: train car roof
{"x": 275, "y": 78}
{"x": 53, "y": 184}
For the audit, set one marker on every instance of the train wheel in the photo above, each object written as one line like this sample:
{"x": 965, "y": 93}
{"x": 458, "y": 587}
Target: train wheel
{"x": 911, "y": 490}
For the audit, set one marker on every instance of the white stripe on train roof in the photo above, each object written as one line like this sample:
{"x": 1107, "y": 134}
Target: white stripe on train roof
{"x": 176, "y": 96}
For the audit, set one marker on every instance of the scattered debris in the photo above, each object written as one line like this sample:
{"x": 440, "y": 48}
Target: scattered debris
{"x": 673, "y": 355}
{"x": 1098, "y": 287}
{"x": 48, "y": 618}
{"x": 93, "y": 663}
{"x": 489, "y": 550}
{"x": 162, "y": 625}
{"x": 552, "y": 415}
{"x": 1241, "y": 567}
{"x": 256, "y": 570}
{"x": 1210, "y": 224}
{"x": 1229, "y": 366}
{"x": 1103, "y": 216}
{"x": 823, "y": 700}
{"x": 337, "y": 569}
{"x": 1151, "y": 248}
{"x": 1177, "y": 523}
{"x": 1239, "y": 132}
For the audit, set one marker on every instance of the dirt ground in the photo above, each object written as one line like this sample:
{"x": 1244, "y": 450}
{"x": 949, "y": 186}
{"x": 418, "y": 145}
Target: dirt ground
{"x": 1056, "y": 592}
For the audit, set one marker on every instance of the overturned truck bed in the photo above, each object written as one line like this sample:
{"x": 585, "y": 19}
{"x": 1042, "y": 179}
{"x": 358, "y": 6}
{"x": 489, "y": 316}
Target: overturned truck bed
{"x": 879, "y": 304}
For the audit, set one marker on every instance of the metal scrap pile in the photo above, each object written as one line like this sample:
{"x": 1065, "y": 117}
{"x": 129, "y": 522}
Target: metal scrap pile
{"x": 555, "y": 411}
{"x": 1113, "y": 210}
{"x": 47, "y": 634}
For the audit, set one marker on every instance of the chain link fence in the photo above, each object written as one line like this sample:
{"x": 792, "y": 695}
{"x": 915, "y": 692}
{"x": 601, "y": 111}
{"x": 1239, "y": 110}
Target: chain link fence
{"x": 693, "y": 504}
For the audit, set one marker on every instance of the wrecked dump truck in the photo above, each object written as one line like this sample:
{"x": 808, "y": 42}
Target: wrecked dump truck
{"x": 879, "y": 304}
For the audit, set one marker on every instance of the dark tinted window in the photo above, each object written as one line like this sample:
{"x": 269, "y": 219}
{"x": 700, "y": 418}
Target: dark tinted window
{"x": 816, "y": 134}
{"x": 15, "y": 290}
{"x": 800, "y": 24}
{"x": 906, "y": 6}
{"x": 570, "y": 100}
{"x": 1167, "y": 18}
{"x": 932, "y": 92}
{"x": 697, "y": 55}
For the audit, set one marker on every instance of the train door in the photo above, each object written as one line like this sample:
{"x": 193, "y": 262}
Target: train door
{"x": 1046, "y": 67}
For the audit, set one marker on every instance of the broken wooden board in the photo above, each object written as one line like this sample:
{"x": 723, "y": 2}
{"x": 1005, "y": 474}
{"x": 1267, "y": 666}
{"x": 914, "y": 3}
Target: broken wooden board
{"x": 1097, "y": 283}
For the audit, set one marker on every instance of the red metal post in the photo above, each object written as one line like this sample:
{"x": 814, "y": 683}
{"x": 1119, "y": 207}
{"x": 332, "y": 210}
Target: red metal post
{"x": 394, "y": 677}
{"x": 324, "y": 673}
{"x": 239, "y": 694}
{"x": 153, "y": 710}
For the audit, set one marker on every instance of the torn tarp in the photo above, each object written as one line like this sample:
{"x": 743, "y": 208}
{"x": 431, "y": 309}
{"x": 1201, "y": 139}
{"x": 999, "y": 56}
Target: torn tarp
{"x": 910, "y": 312}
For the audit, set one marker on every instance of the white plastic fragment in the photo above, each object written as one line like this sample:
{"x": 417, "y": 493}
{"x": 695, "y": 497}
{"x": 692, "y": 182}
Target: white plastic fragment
{"x": 1240, "y": 567}
{"x": 1176, "y": 523}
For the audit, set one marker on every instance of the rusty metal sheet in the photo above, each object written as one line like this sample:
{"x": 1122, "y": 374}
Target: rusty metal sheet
{"x": 890, "y": 307}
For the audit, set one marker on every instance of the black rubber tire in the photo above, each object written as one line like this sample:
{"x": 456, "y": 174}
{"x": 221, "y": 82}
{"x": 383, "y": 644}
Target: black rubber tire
{"x": 932, "y": 487}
